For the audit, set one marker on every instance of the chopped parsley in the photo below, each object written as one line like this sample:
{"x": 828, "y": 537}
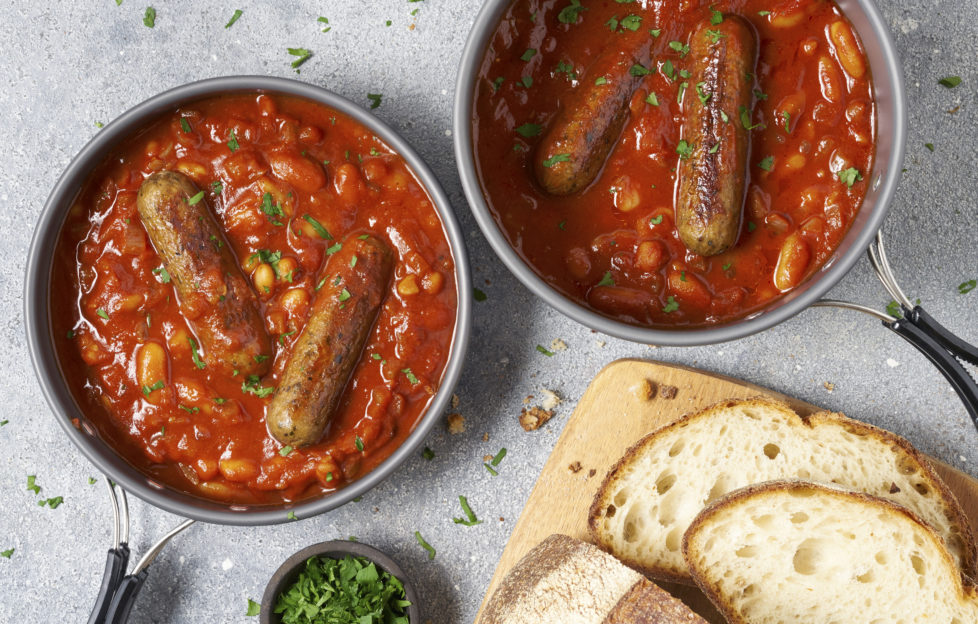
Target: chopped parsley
{"x": 766, "y": 163}
{"x": 929, "y": 146}
{"x": 271, "y": 210}
{"x": 607, "y": 280}
{"x": 714, "y": 35}
{"x": 478, "y": 295}
{"x": 344, "y": 295}
{"x": 702, "y": 95}
{"x": 498, "y": 457}
{"x": 358, "y": 442}
{"x": 498, "y": 82}
{"x": 470, "y": 519}
{"x": 410, "y": 376}
{"x": 417, "y": 534}
{"x": 567, "y": 69}
{"x": 252, "y": 385}
{"x": 285, "y": 450}
{"x": 253, "y": 608}
{"x": 283, "y": 336}
{"x": 195, "y": 355}
{"x": 556, "y": 158}
{"x": 638, "y": 70}
{"x": 530, "y": 53}
{"x": 950, "y": 81}
{"x": 291, "y": 515}
{"x": 568, "y": 15}
{"x": 631, "y": 22}
{"x": 600, "y": 80}
{"x": 302, "y": 55}
{"x": 668, "y": 70}
{"x": 185, "y": 125}
{"x": 850, "y": 176}
{"x": 966, "y": 287}
{"x": 32, "y": 485}
{"x": 375, "y": 99}
{"x": 101, "y": 312}
{"x": 217, "y": 186}
{"x": 268, "y": 256}
{"x": 492, "y": 471}
{"x": 164, "y": 275}
{"x": 652, "y": 98}
{"x": 196, "y": 198}
{"x": 716, "y": 18}
{"x": 428, "y": 454}
{"x": 527, "y": 81}
{"x": 655, "y": 221}
{"x": 671, "y": 305}
{"x": 149, "y": 17}
{"x": 317, "y": 226}
{"x": 158, "y": 385}
{"x": 53, "y": 503}
{"x": 237, "y": 14}
{"x": 682, "y": 91}
{"x": 7, "y": 553}
{"x": 189, "y": 410}
{"x": 324, "y": 20}
{"x": 529, "y": 129}
{"x": 233, "y": 142}
{"x": 547, "y": 352}
{"x": 684, "y": 149}
{"x": 680, "y": 47}
{"x": 745, "y": 119}
{"x": 893, "y": 309}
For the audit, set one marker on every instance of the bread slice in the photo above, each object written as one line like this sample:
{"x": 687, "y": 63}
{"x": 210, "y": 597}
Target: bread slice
{"x": 799, "y": 552}
{"x": 650, "y": 496}
{"x": 567, "y": 581}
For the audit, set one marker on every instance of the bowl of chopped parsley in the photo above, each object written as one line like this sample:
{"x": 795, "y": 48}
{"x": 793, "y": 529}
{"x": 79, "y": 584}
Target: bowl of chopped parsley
{"x": 339, "y": 582}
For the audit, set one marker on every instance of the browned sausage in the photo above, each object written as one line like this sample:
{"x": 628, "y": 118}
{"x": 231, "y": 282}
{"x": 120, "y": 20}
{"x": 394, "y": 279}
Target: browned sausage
{"x": 356, "y": 279}
{"x": 578, "y": 140}
{"x": 214, "y": 296}
{"x": 713, "y": 177}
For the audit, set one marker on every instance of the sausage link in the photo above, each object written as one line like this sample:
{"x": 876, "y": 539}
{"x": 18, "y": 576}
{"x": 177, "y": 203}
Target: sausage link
{"x": 578, "y": 141}
{"x": 713, "y": 178}
{"x": 355, "y": 280}
{"x": 214, "y": 296}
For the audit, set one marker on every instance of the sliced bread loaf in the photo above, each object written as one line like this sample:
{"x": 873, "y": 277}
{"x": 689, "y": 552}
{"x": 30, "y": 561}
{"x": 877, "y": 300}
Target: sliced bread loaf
{"x": 567, "y": 581}
{"x": 648, "y": 499}
{"x": 798, "y": 552}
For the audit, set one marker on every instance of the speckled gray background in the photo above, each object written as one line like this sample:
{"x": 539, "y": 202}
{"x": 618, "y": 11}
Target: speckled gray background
{"x": 67, "y": 65}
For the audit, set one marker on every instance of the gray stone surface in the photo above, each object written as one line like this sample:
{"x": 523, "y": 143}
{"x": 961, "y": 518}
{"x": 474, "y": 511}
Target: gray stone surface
{"x": 67, "y": 65}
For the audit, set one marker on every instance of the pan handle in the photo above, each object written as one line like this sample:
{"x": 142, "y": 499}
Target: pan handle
{"x": 115, "y": 569}
{"x": 125, "y": 597}
{"x": 934, "y": 347}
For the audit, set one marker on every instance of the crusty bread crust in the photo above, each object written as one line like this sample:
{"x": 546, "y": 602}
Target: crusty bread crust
{"x": 968, "y": 589}
{"x": 913, "y": 460}
{"x": 568, "y": 581}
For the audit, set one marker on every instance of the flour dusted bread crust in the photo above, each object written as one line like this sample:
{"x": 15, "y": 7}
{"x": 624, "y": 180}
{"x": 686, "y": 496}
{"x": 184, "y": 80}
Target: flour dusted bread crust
{"x": 800, "y": 552}
{"x": 567, "y": 581}
{"x": 652, "y": 494}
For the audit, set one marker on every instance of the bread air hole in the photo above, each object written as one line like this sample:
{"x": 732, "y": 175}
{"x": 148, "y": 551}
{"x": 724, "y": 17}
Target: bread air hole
{"x": 772, "y": 450}
{"x": 665, "y": 481}
{"x": 746, "y": 552}
{"x": 764, "y": 522}
{"x": 922, "y": 488}
{"x": 881, "y": 558}
{"x": 799, "y": 517}
{"x": 677, "y": 447}
{"x": 621, "y": 496}
{"x": 721, "y": 486}
{"x": 674, "y": 539}
{"x": 918, "y": 565}
{"x": 808, "y": 556}
{"x": 868, "y": 577}
{"x": 906, "y": 466}
{"x": 749, "y": 591}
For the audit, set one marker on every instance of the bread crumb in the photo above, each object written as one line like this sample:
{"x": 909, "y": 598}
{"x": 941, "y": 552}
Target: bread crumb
{"x": 646, "y": 389}
{"x": 485, "y": 437}
{"x": 558, "y": 345}
{"x": 456, "y": 424}
{"x": 652, "y": 346}
{"x": 591, "y": 473}
{"x": 533, "y": 418}
{"x": 892, "y": 363}
{"x": 527, "y": 399}
{"x": 455, "y": 401}
{"x": 668, "y": 392}
{"x": 600, "y": 344}
{"x": 550, "y": 400}
{"x": 829, "y": 386}
{"x": 501, "y": 519}
{"x": 575, "y": 467}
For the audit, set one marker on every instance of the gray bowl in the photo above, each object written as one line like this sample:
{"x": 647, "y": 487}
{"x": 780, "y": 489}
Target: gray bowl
{"x": 891, "y": 138}
{"x": 289, "y": 571}
{"x": 41, "y": 343}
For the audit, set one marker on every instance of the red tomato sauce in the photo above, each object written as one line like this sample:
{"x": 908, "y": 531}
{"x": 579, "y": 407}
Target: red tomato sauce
{"x": 614, "y": 246}
{"x": 203, "y": 431}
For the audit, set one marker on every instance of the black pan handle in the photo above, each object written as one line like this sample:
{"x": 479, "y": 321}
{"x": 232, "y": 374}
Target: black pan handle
{"x": 936, "y": 351}
{"x": 125, "y": 598}
{"x": 115, "y": 568}
{"x": 966, "y": 351}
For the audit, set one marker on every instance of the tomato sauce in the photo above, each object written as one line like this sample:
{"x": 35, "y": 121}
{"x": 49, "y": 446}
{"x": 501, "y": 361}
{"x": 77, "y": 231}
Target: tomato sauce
{"x": 614, "y": 246}
{"x": 286, "y": 178}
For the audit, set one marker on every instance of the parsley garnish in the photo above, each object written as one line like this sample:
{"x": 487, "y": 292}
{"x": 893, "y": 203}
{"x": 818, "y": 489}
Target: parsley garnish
{"x": 195, "y": 355}
{"x": 156, "y": 386}
{"x": 302, "y": 54}
{"x": 7, "y": 553}
{"x": 556, "y": 158}
{"x": 639, "y": 70}
{"x": 428, "y": 454}
{"x": 234, "y": 18}
{"x": 547, "y": 352}
{"x": 164, "y": 275}
{"x": 652, "y": 98}
{"x": 417, "y": 534}
{"x": 766, "y": 163}
{"x": 893, "y": 309}
{"x": 684, "y": 149}
{"x": 196, "y": 198}
{"x": 253, "y": 608}
{"x": 324, "y": 20}
{"x": 32, "y": 485}
{"x": 285, "y": 450}
{"x": 478, "y": 295}
{"x": 498, "y": 457}
{"x": 716, "y": 17}
{"x": 680, "y": 47}
{"x": 600, "y": 80}
{"x": 217, "y": 186}
{"x": 101, "y": 312}
{"x": 671, "y": 305}
{"x": 745, "y": 119}
{"x": 607, "y": 280}
{"x": 950, "y": 81}
{"x": 530, "y": 53}
{"x": 850, "y": 176}
{"x": 966, "y": 287}
{"x": 149, "y": 17}
{"x": 470, "y": 519}
{"x": 410, "y": 376}
{"x": 317, "y": 226}
{"x": 568, "y": 15}
{"x": 233, "y": 142}
{"x": 270, "y": 210}
{"x": 656, "y": 220}
{"x": 253, "y": 386}
{"x": 375, "y": 99}
{"x": 358, "y": 442}
{"x": 529, "y": 130}
{"x": 185, "y": 125}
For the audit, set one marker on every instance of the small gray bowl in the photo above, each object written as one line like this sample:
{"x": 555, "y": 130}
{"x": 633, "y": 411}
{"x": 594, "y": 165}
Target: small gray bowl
{"x": 891, "y": 133}
{"x": 40, "y": 340}
{"x": 288, "y": 572}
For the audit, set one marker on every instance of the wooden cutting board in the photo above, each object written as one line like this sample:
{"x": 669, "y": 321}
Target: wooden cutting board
{"x": 612, "y": 415}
